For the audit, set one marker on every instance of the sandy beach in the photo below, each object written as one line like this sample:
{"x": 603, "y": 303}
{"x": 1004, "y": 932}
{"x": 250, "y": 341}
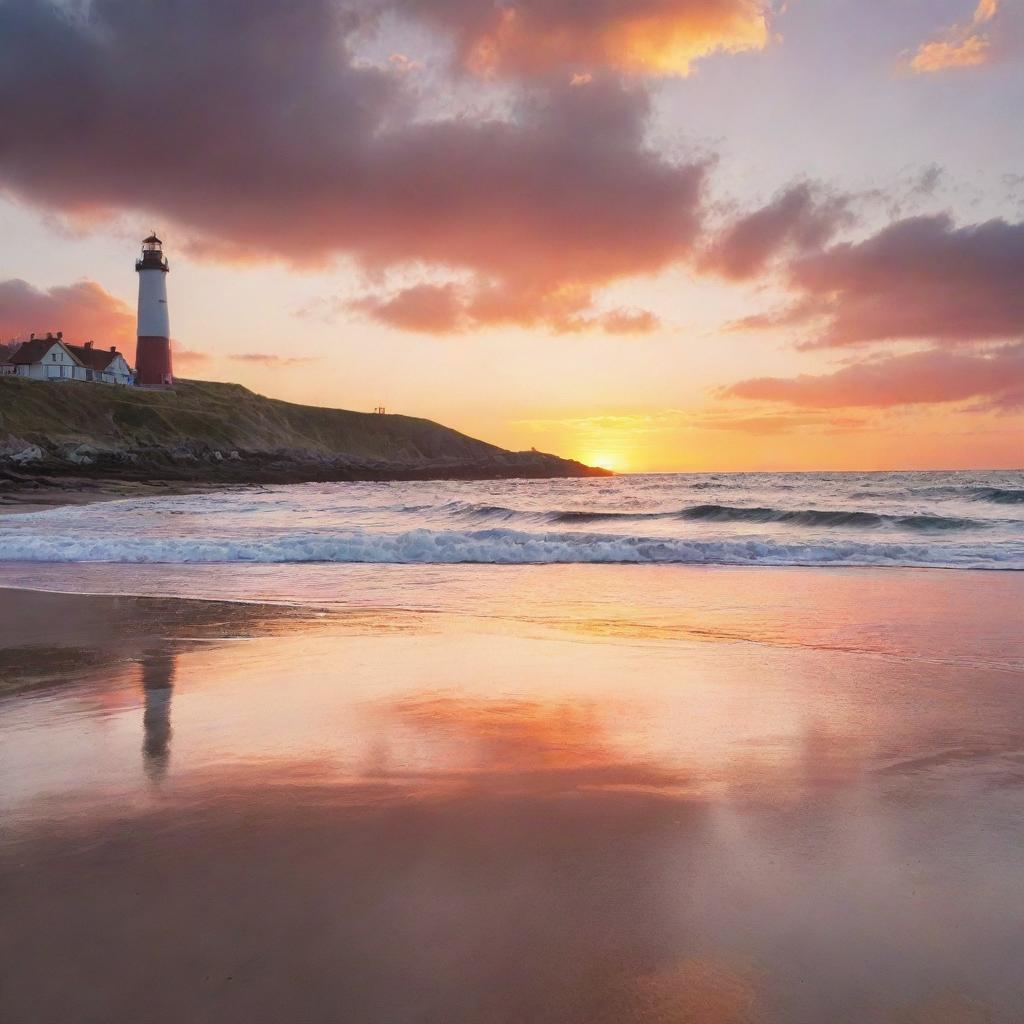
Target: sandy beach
{"x": 751, "y": 795}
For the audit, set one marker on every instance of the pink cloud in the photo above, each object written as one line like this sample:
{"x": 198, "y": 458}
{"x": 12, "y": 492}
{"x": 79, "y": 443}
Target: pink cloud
{"x": 931, "y": 376}
{"x": 425, "y": 308}
{"x": 272, "y": 359}
{"x": 921, "y": 278}
{"x": 83, "y": 311}
{"x": 303, "y": 153}
{"x": 455, "y": 309}
{"x": 799, "y": 219}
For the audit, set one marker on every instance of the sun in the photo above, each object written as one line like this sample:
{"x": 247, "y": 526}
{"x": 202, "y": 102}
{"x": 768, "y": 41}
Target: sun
{"x": 606, "y": 460}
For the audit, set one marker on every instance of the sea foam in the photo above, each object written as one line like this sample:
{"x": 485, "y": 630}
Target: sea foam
{"x": 495, "y": 546}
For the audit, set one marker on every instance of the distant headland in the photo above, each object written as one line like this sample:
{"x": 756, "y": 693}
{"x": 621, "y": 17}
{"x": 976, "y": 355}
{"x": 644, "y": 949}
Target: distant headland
{"x": 202, "y": 432}
{"x": 81, "y": 413}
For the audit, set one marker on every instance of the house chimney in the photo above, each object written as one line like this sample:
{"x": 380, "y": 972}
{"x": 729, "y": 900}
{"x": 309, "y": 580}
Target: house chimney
{"x": 60, "y": 335}
{"x": 32, "y": 336}
{"x": 49, "y": 335}
{"x": 113, "y": 348}
{"x": 88, "y": 344}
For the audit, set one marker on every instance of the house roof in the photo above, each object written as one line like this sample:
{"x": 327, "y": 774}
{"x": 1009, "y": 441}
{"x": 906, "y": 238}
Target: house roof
{"x": 94, "y": 358}
{"x": 33, "y": 351}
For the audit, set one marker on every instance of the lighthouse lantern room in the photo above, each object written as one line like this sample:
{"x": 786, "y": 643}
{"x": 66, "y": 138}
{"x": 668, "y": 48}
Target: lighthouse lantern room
{"x": 153, "y": 355}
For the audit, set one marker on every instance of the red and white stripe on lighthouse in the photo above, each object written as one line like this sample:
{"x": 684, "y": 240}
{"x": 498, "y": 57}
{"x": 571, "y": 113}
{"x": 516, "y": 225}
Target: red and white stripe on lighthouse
{"x": 153, "y": 355}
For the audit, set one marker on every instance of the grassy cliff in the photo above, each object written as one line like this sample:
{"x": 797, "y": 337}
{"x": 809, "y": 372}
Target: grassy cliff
{"x": 203, "y": 420}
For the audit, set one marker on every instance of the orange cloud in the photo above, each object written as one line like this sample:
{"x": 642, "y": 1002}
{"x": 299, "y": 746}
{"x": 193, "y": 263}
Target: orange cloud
{"x": 964, "y": 47}
{"x": 83, "y": 311}
{"x": 658, "y": 37}
{"x": 940, "y": 55}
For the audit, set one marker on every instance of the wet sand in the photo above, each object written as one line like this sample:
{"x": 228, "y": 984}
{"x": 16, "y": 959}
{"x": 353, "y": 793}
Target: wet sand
{"x": 24, "y": 493}
{"x": 796, "y": 797}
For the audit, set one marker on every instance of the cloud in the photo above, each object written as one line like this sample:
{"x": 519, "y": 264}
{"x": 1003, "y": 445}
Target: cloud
{"x": 83, "y": 311}
{"x": 185, "y": 356}
{"x": 629, "y": 321}
{"x": 776, "y": 422}
{"x": 259, "y": 135}
{"x": 931, "y": 376}
{"x": 270, "y": 359}
{"x": 454, "y": 309}
{"x": 427, "y": 308}
{"x": 799, "y": 219}
{"x": 921, "y": 278}
{"x": 534, "y": 37}
{"x": 964, "y": 46}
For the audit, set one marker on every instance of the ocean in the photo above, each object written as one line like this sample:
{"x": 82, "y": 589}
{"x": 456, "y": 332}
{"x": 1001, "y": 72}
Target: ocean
{"x": 935, "y": 520}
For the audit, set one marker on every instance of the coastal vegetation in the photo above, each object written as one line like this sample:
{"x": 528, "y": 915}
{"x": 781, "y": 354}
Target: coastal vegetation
{"x": 209, "y": 430}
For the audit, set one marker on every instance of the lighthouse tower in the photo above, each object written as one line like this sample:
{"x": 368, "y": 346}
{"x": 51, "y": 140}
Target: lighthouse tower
{"x": 153, "y": 355}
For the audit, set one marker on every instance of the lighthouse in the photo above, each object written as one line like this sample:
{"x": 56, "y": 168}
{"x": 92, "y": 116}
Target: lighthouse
{"x": 153, "y": 355}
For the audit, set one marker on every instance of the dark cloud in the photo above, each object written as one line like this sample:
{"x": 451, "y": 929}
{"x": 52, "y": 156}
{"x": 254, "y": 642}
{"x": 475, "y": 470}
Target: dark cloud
{"x": 250, "y": 125}
{"x": 799, "y": 219}
{"x": 932, "y": 376}
{"x": 530, "y": 37}
{"x": 83, "y": 311}
{"x": 922, "y": 278}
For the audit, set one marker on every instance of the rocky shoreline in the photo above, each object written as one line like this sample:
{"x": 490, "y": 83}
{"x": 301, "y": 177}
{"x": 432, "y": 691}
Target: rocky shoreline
{"x": 73, "y": 473}
{"x": 90, "y": 438}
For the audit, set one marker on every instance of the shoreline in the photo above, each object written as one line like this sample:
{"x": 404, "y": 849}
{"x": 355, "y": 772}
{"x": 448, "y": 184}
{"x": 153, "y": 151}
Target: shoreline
{"x": 40, "y": 496}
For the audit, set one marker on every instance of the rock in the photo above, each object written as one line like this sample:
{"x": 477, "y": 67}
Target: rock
{"x": 81, "y": 454}
{"x": 30, "y": 453}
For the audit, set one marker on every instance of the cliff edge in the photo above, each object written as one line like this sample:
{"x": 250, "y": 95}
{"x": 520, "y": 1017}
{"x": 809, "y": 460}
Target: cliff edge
{"x": 208, "y": 432}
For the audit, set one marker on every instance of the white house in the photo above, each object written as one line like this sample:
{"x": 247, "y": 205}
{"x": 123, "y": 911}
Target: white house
{"x": 52, "y": 358}
{"x": 103, "y": 364}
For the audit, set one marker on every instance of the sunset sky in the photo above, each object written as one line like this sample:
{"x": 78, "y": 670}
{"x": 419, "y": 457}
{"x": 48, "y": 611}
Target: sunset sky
{"x": 649, "y": 234}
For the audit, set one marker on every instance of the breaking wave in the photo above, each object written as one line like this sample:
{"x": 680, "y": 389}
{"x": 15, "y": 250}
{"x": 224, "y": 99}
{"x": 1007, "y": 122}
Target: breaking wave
{"x": 499, "y": 547}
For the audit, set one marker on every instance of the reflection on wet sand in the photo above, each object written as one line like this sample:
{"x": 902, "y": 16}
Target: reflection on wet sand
{"x": 448, "y": 823}
{"x": 526, "y": 747}
{"x": 158, "y": 688}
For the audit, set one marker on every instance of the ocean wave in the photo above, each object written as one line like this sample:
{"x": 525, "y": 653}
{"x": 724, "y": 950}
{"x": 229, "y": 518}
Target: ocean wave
{"x": 497, "y": 547}
{"x": 716, "y": 514}
{"x": 998, "y": 495}
{"x": 979, "y": 493}
{"x": 825, "y": 517}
